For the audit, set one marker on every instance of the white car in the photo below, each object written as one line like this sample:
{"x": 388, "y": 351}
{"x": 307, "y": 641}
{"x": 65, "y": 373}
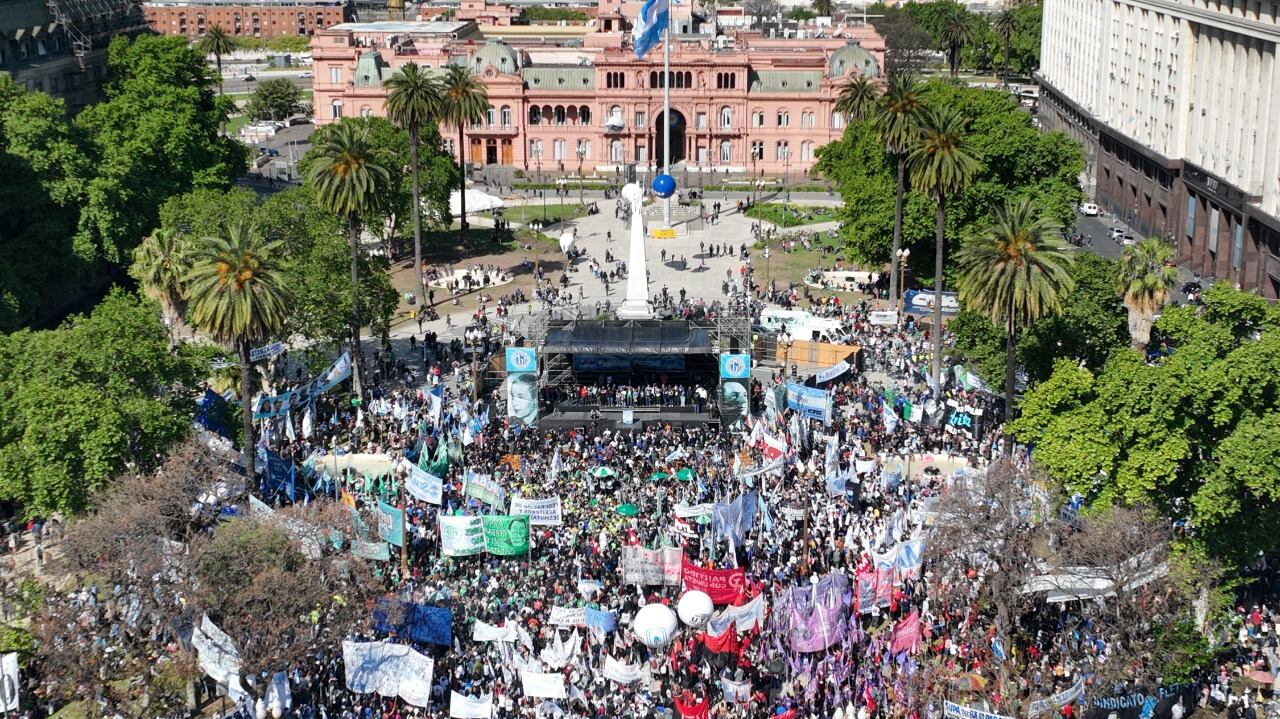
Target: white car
{"x": 1089, "y": 209}
{"x": 1117, "y": 233}
{"x": 308, "y": 73}
{"x": 1127, "y": 240}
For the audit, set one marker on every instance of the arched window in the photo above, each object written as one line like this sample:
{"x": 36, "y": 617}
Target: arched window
{"x": 491, "y": 116}
{"x": 335, "y": 109}
{"x": 535, "y": 115}
{"x": 559, "y": 114}
{"x": 547, "y": 115}
{"x": 837, "y": 120}
{"x": 506, "y": 116}
{"x": 557, "y": 150}
{"x": 784, "y": 118}
{"x": 571, "y": 114}
{"x": 584, "y": 115}
{"x": 583, "y": 150}
{"x": 726, "y": 117}
{"x": 653, "y": 79}
{"x": 615, "y": 151}
{"x": 688, "y": 80}
{"x": 726, "y": 151}
{"x": 366, "y": 112}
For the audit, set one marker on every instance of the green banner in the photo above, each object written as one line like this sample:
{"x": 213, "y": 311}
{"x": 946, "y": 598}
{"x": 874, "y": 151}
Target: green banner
{"x": 506, "y": 535}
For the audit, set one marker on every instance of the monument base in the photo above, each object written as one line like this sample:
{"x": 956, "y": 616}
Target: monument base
{"x": 635, "y": 310}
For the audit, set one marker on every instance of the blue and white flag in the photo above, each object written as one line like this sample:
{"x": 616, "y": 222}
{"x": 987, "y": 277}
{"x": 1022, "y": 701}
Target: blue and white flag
{"x": 649, "y": 25}
{"x": 889, "y": 416}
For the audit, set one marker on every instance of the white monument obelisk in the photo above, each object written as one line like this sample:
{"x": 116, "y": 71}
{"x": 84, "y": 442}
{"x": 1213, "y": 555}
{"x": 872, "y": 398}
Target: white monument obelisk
{"x": 636, "y": 306}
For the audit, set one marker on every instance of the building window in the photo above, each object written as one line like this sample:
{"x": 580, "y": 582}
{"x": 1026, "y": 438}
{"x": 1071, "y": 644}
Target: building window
{"x": 335, "y": 109}
{"x": 1213, "y": 229}
{"x": 757, "y": 150}
{"x": 584, "y": 149}
{"x": 726, "y": 151}
{"x": 653, "y": 79}
{"x": 535, "y": 149}
{"x": 490, "y": 116}
{"x": 506, "y": 116}
{"x": 584, "y": 115}
{"x": 535, "y": 115}
{"x": 559, "y": 114}
{"x": 757, "y": 118}
{"x": 335, "y": 76}
{"x": 557, "y": 150}
{"x": 702, "y": 120}
{"x": 615, "y": 151}
{"x": 366, "y": 112}
{"x": 784, "y": 119}
{"x": 837, "y": 120}
{"x": 1191, "y": 216}
{"x": 782, "y": 152}
{"x": 1237, "y": 246}
{"x": 726, "y": 117}
{"x": 640, "y": 118}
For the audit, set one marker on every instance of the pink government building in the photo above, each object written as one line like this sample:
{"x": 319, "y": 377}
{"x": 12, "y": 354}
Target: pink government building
{"x": 569, "y": 96}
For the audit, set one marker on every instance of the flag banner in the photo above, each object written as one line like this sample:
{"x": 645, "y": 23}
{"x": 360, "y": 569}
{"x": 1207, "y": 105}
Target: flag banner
{"x": 889, "y": 417}
{"x": 464, "y": 707}
{"x": 390, "y": 670}
{"x": 735, "y": 366}
{"x": 726, "y": 643}
{"x": 775, "y": 465}
{"x": 649, "y": 24}
{"x": 969, "y": 381}
{"x": 831, "y": 372}
{"x": 906, "y": 634}
{"x": 651, "y": 566}
{"x": 522, "y": 359}
{"x": 732, "y": 520}
{"x": 864, "y": 466}
{"x": 722, "y": 585}
{"x": 281, "y": 477}
{"x": 690, "y": 707}
{"x": 421, "y": 484}
{"x": 419, "y": 622}
{"x": 279, "y": 404}
{"x": 866, "y": 592}
{"x": 568, "y": 616}
{"x": 810, "y": 402}
{"x": 821, "y": 627}
{"x": 559, "y": 653}
{"x": 604, "y": 621}
{"x": 910, "y": 559}
{"x": 482, "y": 632}
{"x": 1072, "y": 694}
{"x": 376, "y": 551}
{"x": 735, "y": 691}
{"x": 744, "y": 618}
{"x": 218, "y": 656}
{"x": 621, "y": 673}
{"x": 773, "y": 448}
{"x": 538, "y": 684}
{"x": 522, "y": 399}
{"x": 484, "y": 488}
{"x": 9, "y": 682}
{"x": 794, "y": 514}
{"x": 278, "y": 696}
{"x": 954, "y": 711}
{"x": 390, "y": 524}
{"x": 541, "y": 512}
{"x": 461, "y": 536}
{"x": 506, "y": 536}
{"x": 884, "y": 587}
{"x": 685, "y": 511}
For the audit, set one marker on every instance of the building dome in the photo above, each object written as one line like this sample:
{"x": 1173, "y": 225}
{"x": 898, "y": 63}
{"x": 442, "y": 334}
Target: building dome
{"x": 849, "y": 58}
{"x": 498, "y": 54}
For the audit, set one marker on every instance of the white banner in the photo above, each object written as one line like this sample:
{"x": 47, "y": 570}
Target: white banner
{"x": 9, "y": 682}
{"x": 538, "y": 684}
{"x": 541, "y": 512}
{"x": 388, "y": 669}
{"x": 621, "y": 673}
{"x": 735, "y": 691}
{"x": 464, "y": 707}
{"x": 744, "y": 618}
{"x": 864, "y": 466}
{"x": 831, "y": 372}
{"x": 685, "y": 511}
{"x": 955, "y": 711}
{"x": 1061, "y": 699}
{"x": 482, "y": 632}
{"x": 795, "y": 514}
{"x": 883, "y": 318}
{"x": 651, "y": 566}
{"x": 218, "y": 656}
{"x": 461, "y": 536}
{"x": 423, "y": 485}
{"x": 568, "y": 617}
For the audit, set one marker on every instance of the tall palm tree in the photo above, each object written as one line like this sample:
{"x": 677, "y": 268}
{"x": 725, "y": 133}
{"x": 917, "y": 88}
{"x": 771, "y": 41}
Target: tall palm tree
{"x": 238, "y": 297}
{"x": 464, "y": 100}
{"x": 941, "y": 164}
{"x": 1146, "y": 278}
{"x": 216, "y": 42}
{"x": 350, "y": 183}
{"x": 897, "y": 122}
{"x": 956, "y": 33}
{"x": 857, "y": 98}
{"x": 412, "y": 103}
{"x": 160, "y": 265}
{"x": 1005, "y": 25}
{"x": 824, "y": 8}
{"x": 1015, "y": 273}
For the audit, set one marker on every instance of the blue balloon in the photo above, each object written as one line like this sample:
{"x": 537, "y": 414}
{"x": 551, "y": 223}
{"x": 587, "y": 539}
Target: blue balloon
{"x": 664, "y": 186}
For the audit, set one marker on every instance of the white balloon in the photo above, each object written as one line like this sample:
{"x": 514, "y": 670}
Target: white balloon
{"x": 567, "y": 241}
{"x": 694, "y": 608}
{"x": 655, "y": 625}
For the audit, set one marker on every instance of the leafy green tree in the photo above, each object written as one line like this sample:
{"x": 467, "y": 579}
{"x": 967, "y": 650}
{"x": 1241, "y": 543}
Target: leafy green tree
{"x": 238, "y": 298}
{"x": 80, "y": 404}
{"x": 464, "y": 101}
{"x": 824, "y": 8}
{"x": 1193, "y": 434}
{"x": 1015, "y": 274}
{"x": 156, "y": 135}
{"x": 1024, "y": 42}
{"x": 857, "y": 98}
{"x": 1005, "y": 24}
{"x": 289, "y": 43}
{"x": 349, "y": 182}
{"x": 216, "y": 42}
{"x": 801, "y": 13}
{"x": 909, "y": 46}
{"x": 1147, "y": 276}
{"x": 205, "y": 212}
{"x": 160, "y": 265}
{"x": 277, "y": 99}
{"x": 957, "y": 31}
{"x": 413, "y": 102}
{"x": 941, "y": 164}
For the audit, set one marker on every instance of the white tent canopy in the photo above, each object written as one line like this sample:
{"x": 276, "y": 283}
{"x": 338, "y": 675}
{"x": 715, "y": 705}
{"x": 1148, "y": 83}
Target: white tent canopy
{"x": 477, "y": 201}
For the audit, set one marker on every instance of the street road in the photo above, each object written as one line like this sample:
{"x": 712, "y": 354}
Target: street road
{"x": 233, "y": 79}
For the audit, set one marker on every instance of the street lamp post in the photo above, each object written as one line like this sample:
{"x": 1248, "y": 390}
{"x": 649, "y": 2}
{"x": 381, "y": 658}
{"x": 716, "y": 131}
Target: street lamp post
{"x": 768, "y": 282}
{"x": 786, "y": 172}
{"x": 582, "y": 153}
{"x": 474, "y": 337}
{"x": 903, "y": 254}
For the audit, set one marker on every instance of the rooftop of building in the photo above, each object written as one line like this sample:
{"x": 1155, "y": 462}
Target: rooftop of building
{"x": 243, "y": 3}
{"x": 406, "y": 27}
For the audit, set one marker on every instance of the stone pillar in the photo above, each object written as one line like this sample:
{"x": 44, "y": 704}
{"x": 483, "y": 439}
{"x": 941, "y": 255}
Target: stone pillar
{"x": 636, "y": 305}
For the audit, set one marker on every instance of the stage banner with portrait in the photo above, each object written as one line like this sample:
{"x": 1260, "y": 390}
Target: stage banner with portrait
{"x": 522, "y": 399}
{"x": 735, "y": 401}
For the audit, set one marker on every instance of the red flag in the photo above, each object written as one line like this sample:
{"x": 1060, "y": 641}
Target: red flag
{"x": 906, "y": 635}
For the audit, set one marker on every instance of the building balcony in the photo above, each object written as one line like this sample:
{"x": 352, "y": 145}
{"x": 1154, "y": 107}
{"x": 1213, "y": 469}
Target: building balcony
{"x": 497, "y": 130}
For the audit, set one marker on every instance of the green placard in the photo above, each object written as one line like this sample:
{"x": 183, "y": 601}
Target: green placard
{"x": 506, "y": 536}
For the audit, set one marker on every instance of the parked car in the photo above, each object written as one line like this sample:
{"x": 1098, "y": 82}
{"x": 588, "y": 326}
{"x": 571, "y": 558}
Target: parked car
{"x": 1127, "y": 240}
{"x": 249, "y": 78}
{"x": 308, "y": 73}
{"x": 1118, "y": 232}
{"x": 1089, "y": 209}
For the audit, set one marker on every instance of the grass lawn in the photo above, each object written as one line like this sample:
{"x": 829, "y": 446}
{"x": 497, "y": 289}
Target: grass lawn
{"x": 784, "y": 267}
{"x": 235, "y": 122}
{"x": 439, "y": 246}
{"x": 528, "y": 213}
{"x": 784, "y": 215}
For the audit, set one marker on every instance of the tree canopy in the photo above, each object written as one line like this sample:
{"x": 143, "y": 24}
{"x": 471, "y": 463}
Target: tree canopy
{"x": 1194, "y": 433}
{"x": 276, "y": 99}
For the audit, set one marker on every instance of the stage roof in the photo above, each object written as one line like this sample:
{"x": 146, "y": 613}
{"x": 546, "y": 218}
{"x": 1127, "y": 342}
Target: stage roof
{"x": 635, "y": 337}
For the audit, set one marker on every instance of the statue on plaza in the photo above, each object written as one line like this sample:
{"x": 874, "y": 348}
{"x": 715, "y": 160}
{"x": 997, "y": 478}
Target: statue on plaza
{"x": 636, "y": 306}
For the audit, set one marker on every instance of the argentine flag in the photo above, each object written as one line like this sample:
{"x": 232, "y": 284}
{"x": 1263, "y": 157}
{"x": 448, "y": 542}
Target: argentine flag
{"x": 649, "y": 26}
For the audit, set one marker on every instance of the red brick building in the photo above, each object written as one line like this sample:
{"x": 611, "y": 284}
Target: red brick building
{"x": 244, "y": 18}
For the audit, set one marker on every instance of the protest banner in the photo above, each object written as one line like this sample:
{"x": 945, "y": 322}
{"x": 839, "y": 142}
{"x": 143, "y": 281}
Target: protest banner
{"x": 954, "y": 711}
{"x": 735, "y": 692}
{"x": 301, "y": 396}
{"x": 568, "y": 616}
{"x": 465, "y": 707}
{"x": 722, "y": 585}
{"x": 541, "y": 512}
{"x": 906, "y": 634}
{"x": 538, "y": 684}
{"x": 484, "y": 488}
{"x": 390, "y": 524}
{"x": 602, "y": 620}
{"x": 390, "y": 670}
{"x": 651, "y": 566}
{"x": 1074, "y": 693}
{"x": 218, "y": 657}
{"x": 421, "y": 484}
{"x": 506, "y": 536}
{"x": 484, "y": 632}
{"x": 621, "y": 673}
{"x": 376, "y": 551}
{"x": 419, "y": 622}
{"x": 461, "y": 536}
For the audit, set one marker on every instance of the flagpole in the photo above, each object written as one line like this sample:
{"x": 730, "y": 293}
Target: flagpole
{"x": 666, "y": 118}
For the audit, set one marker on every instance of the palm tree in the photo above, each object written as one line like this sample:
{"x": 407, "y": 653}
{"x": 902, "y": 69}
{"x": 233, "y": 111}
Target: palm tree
{"x": 350, "y": 183}
{"x": 1147, "y": 276}
{"x": 216, "y": 42}
{"x": 464, "y": 101}
{"x": 956, "y": 33}
{"x": 941, "y": 164}
{"x": 413, "y": 102}
{"x": 897, "y": 122}
{"x": 160, "y": 265}
{"x": 238, "y": 297}
{"x": 857, "y": 99}
{"x": 1015, "y": 273}
{"x": 1005, "y": 25}
{"x": 824, "y": 8}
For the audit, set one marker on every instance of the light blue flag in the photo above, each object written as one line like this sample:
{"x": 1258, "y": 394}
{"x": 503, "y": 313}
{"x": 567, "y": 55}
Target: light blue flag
{"x": 649, "y": 26}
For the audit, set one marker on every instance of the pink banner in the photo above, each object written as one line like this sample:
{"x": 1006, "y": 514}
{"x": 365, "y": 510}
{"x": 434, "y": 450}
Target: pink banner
{"x": 906, "y": 634}
{"x": 722, "y": 585}
{"x": 884, "y": 587}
